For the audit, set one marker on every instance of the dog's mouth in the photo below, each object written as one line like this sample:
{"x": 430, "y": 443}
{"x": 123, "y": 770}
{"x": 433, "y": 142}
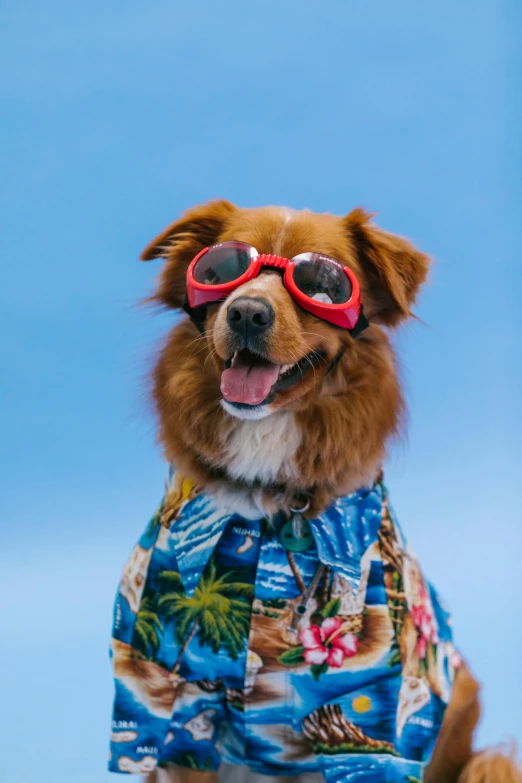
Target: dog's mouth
{"x": 251, "y": 379}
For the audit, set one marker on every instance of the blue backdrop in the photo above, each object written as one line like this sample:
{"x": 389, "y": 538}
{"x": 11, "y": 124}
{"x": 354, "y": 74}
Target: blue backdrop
{"x": 117, "y": 117}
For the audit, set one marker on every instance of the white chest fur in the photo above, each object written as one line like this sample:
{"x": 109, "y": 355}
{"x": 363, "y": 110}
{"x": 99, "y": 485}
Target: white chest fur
{"x": 264, "y": 449}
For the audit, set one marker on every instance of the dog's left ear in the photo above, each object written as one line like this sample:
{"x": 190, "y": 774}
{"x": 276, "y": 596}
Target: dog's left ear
{"x": 393, "y": 267}
{"x": 197, "y": 228}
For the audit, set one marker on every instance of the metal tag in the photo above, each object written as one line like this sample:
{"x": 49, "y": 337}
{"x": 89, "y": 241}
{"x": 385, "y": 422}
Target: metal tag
{"x": 296, "y": 534}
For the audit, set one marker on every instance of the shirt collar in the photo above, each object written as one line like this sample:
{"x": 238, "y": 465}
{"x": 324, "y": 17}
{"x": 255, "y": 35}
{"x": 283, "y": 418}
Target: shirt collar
{"x": 342, "y": 533}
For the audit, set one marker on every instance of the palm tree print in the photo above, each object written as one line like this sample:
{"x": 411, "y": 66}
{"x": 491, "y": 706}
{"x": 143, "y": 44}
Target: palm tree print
{"x": 147, "y": 629}
{"x": 219, "y": 611}
{"x": 297, "y": 576}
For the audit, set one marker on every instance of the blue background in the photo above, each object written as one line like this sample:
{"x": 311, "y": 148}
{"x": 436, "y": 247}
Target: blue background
{"x": 119, "y": 115}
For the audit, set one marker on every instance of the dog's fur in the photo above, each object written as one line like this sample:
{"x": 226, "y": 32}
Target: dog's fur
{"x": 345, "y": 416}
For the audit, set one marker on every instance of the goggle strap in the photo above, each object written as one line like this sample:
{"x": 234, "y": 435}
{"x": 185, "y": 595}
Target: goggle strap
{"x": 361, "y": 325}
{"x": 335, "y": 361}
{"x": 198, "y": 315}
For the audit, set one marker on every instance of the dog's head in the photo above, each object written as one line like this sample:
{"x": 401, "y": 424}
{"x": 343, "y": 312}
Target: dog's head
{"x": 260, "y": 353}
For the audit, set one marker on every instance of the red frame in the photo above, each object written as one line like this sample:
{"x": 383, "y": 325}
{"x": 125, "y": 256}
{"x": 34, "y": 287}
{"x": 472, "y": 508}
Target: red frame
{"x": 344, "y": 315}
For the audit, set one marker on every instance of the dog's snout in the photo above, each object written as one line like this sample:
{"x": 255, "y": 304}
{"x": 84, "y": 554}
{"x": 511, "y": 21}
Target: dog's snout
{"x": 249, "y": 317}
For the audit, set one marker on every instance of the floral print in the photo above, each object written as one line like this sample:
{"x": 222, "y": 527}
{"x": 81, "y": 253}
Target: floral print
{"x": 424, "y": 619}
{"x": 220, "y": 655}
{"x": 328, "y": 643}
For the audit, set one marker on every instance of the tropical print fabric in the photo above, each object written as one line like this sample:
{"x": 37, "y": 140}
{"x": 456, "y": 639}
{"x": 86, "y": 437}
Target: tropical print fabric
{"x": 228, "y": 647}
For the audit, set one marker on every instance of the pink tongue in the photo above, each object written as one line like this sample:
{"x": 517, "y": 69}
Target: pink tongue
{"x": 248, "y": 381}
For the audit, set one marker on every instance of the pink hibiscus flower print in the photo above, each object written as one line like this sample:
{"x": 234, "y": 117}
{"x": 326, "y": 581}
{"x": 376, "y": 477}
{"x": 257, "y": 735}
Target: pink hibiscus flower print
{"x": 423, "y": 617}
{"x": 328, "y": 643}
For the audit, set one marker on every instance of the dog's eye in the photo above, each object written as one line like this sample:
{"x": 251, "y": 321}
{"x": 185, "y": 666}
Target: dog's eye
{"x": 223, "y": 263}
{"x": 321, "y": 279}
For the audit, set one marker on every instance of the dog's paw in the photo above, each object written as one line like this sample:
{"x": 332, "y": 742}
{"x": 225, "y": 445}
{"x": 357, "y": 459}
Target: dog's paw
{"x": 492, "y": 766}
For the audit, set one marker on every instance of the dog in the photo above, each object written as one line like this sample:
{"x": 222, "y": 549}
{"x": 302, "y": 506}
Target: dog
{"x": 273, "y": 607}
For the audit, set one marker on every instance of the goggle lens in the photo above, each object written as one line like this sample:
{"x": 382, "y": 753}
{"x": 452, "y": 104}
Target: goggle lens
{"x": 223, "y": 263}
{"x": 321, "y": 278}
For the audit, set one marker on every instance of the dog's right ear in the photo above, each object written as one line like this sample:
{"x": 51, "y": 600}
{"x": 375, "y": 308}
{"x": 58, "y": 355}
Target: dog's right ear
{"x": 197, "y": 228}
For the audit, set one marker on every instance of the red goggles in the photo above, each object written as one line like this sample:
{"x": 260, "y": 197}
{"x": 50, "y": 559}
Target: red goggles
{"x": 317, "y": 283}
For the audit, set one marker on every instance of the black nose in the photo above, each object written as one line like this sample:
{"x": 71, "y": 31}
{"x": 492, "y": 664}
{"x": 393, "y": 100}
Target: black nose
{"x": 249, "y": 317}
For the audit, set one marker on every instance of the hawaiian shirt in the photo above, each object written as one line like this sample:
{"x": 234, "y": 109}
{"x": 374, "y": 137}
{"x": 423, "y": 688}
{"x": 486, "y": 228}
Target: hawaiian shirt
{"x": 227, "y": 646}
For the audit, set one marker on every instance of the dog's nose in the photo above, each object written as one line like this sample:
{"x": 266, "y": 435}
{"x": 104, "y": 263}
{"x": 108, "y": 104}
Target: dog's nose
{"x": 249, "y": 317}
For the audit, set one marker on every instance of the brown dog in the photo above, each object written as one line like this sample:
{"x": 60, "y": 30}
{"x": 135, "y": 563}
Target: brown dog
{"x": 345, "y": 408}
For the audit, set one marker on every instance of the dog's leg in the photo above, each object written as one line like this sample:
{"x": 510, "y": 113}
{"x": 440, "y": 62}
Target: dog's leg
{"x": 228, "y": 774}
{"x": 453, "y": 759}
{"x": 491, "y": 767}
{"x": 236, "y": 774}
{"x": 174, "y": 774}
{"x": 454, "y": 745}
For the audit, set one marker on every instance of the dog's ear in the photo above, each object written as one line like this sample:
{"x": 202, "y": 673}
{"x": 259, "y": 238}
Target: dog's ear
{"x": 393, "y": 267}
{"x": 181, "y": 241}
